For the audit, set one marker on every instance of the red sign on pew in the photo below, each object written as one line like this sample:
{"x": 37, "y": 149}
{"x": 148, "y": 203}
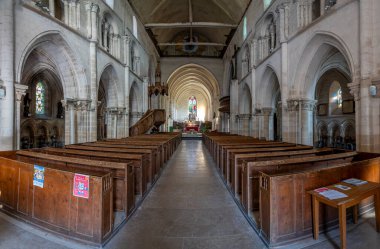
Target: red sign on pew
{"x": 81, "y": 186}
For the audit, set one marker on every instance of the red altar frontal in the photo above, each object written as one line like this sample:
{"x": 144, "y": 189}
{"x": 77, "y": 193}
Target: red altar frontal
{"x": 192, "y": 127}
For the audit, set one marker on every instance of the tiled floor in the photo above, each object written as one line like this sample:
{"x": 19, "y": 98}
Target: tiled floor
{"x": 189, "y": 207}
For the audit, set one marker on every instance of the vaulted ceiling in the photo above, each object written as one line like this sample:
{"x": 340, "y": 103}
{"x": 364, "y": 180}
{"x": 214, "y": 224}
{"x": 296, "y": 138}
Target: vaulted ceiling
{"x": 191, "y": 27}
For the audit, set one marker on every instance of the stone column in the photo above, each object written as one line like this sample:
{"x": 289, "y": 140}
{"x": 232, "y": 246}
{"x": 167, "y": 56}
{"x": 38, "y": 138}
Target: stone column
{"x": 77, "y": 15}
{"x": 323, "y": 5}
{"x": 127, "y": 61}
{"x": 70, "y": 121}
{"x": 355, "y": 91}
{"x": 92, "y": 128}
{"x": 301, "y": 124}
{"x": 20, "y": 90}
{"x": 234, "y": 106}
{"x": 137, "y": 61}
{"x": 7, "y": 75}
{"x": 66, "y": 11}
{"x": 52, "y": 7}
{"x": 291, "y": 127}
{"x": 254, "y": 53}
{"x": 284, "y": 33}
{"x": 244, "y": 120}
{"x": 252, "y": 47}
{"x": 367, "y": 127}
{"x": 267, "y": 128}
{"x": 255, "y": 124}
{"x": 145, "y": 94}
{"x": 307, "y": 121}
{"x": 310, "y": 11}
{"x": 84, "y": 126}
{"x": 89, "y": 17}
{"x": 71, "y": 13}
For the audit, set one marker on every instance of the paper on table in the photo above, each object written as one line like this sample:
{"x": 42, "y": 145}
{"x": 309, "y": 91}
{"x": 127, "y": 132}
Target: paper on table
{"x": 342, "y": 187}
{"x": 333, "y": 194}
{"x": 320, "y": 190}
{"x": 354, "y": 181}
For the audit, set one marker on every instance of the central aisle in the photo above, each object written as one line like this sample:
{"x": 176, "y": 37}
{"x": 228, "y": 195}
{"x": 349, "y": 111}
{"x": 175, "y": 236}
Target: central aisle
{"x": 189, "y": 207}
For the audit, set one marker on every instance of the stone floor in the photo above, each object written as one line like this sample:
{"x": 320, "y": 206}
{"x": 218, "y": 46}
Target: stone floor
{"x": 189, "y": 207}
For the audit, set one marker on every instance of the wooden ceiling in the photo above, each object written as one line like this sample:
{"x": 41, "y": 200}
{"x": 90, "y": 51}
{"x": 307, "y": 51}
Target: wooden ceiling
{"x": 190, "y": 27}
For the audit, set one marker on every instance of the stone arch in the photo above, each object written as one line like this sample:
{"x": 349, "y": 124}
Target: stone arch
{"x": 334, "y": 132}
{"x": 348, "y": 130}
{"x": 245, "y": 101}
{"x": 188, "y": 79}
{"x": 314, "y": 61}
{"x": 49, "y": 59}
{"x": 135, "y": 103}
{"x": 269, "y": 85}
{"x": 108, "y": 98}
{"x": 60, "y": 56}
{"x": 111, "y": 83}
{"x": 28, "y": 132}
{"x": 269, "y": 32}
{"x": 109, "y": 34}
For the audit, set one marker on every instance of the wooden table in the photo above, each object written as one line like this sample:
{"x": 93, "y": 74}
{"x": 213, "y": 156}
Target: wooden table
{"x": 355, "y": 195}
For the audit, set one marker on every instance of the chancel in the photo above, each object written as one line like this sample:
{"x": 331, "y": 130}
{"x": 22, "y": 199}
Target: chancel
{"x": 190, "y": 124}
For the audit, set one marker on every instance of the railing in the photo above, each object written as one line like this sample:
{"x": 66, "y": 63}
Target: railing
{"x": 152, "y": 118}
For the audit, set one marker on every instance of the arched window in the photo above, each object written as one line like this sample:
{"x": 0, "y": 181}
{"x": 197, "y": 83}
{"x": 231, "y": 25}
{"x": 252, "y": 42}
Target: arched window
{"x": 110, "y": 3}
{"x": 266, "y": 3}
{"x": 193, "y": 106}
{"x": 336, "y": 99}
{"x": 245, "y": 28}
{"x": 135, "y": 26}
{"x": 40, "y": 98}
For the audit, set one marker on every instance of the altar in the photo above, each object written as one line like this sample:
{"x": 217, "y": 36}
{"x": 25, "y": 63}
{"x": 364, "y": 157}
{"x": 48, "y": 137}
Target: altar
{"x": 192, "y": 127}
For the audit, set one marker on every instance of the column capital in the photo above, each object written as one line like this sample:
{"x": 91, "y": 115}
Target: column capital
{"x": 95, "y": 8}
{"x": 306, "y": 104}
{"x": 146, "y": 80}
{"x": 355, "y": 90}
{"x": 244, "y": 116}
{"x": 234, "y": 82}
{"x": 267, "y": 111}
{"x": 20, "y": 90}
{"x": 127, "y": 38}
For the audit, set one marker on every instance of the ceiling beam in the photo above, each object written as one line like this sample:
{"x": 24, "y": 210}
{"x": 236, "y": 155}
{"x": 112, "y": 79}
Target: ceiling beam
{"x": 190, "y": 25}
{"x": 154, "y": 40}
{"x": 192, "y": 44}
{"x": 228, "y": 40}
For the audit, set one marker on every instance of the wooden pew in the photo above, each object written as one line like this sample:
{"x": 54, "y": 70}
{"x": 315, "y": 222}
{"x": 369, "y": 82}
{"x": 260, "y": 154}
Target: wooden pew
{"x": 241, "y": 160}
{"x": 288, "y": 190}
{"x": 155, "y": 149}
{"x": 225, "y": 157}
{"x": 162, "y": 148}
{"x": 139, "y": 162}
{"x": 234, "y": 171}
{"x": 250, "y": 172}
{"x": 155, "y": 164}
{"x": 54, "y": 207}
{"x": 123, "y": 174}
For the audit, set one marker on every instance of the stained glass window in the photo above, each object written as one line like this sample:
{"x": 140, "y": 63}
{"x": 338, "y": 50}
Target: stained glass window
{"x": 40, "y": 98}
{"x": 338, "y": 98}
{"x": 193, "y": 105}
{"x": 245, "y": 28}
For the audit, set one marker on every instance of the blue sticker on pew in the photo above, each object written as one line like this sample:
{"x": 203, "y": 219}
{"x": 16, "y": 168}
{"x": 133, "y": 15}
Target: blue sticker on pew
{"x": 39, "y": 176}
